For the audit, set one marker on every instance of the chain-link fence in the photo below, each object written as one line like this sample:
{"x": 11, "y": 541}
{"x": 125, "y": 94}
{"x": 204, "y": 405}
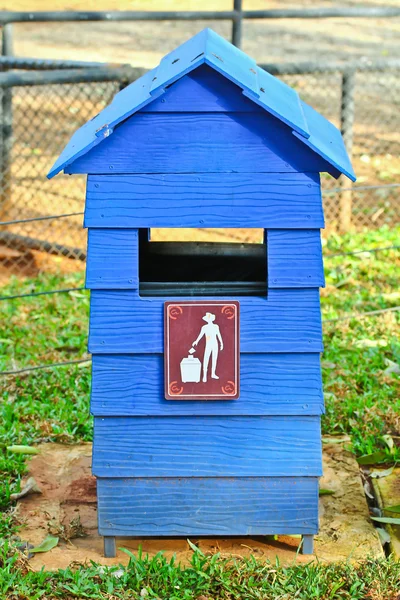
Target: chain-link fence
{"x": 42, "y": 219}
{"x": 38, "y": 120}
{"x": 44, "y": 118}
{"x": 372, "y": 136}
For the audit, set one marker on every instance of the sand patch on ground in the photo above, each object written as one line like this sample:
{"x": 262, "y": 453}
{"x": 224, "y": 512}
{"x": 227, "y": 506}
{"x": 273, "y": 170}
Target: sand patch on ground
{"x": 63, "y": 474}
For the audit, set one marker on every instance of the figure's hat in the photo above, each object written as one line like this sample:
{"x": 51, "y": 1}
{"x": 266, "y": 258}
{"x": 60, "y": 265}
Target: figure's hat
{"x": 209, "y": 317}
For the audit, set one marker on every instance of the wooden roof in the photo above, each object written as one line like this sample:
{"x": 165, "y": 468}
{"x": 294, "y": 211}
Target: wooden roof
{"x": 277, "y": 98}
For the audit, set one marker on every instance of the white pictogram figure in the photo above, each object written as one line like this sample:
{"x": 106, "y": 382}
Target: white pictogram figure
{"x": 212, "y": 334}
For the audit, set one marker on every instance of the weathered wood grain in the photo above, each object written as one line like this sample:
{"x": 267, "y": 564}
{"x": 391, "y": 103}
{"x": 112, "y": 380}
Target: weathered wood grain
{"x": 203, "y": 90}
{"x": 279, "y": 200}
{"x": 201, "y": 507}
{"x": 200, "y": 142}
{"x": 112, "y": 259}
{"x": 285, "y": 321}
{"x": 206, "y": 446}
{"x": 270, "y": 384}
{"x": 294, "y": 259}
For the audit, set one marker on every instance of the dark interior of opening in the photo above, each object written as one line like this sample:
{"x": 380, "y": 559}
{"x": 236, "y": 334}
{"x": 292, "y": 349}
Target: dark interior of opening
{"x": 201, "y": 268}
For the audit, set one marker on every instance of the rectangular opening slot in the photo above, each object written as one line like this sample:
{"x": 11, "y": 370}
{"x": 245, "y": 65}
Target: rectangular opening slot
{"x": 201, "y": 268}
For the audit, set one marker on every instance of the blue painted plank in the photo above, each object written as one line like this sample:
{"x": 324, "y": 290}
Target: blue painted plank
{"x": 112, "y": 259}
{"x": 207, "y": 446}
{"x": 280, "y": 200}
{"x": 294, "y": 259}
{"x": 286, "y": 321}
{"x": 270, "y": 384}
{"x": 200, "y": 142}
{"x": 282, "y": 101}
{"x": 327, "y": 140}
{"x": 207, "y": 507}
{"x": 231, "y": 62}
{"x": 180, "y": 61}
{"x": 203, "y": 90}
{"x": 209, "y": 47}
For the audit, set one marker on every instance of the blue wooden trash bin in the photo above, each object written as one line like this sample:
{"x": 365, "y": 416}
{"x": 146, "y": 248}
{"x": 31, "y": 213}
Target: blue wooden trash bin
{"x": 206, "y": 140}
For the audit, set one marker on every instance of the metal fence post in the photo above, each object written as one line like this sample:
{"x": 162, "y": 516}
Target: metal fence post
{"x": 6, "y": 128}
{"x": 347, "y": 129}
{"x": 237, "y": 23}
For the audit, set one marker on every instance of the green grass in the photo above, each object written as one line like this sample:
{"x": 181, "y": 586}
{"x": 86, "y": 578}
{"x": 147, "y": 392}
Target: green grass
{"x": 52, "y": 405}
{"x": 361, "y": 400}
{"x": 205, "y": 578}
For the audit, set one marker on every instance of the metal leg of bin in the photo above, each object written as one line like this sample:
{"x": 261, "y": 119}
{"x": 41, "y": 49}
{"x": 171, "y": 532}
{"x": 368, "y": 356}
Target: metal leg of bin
{"x": 110, "y": 548}
{"x": 308, "y": 544}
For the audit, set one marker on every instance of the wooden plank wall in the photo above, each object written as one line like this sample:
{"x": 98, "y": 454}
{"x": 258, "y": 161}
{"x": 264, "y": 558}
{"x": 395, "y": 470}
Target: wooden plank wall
{"x": 263, "y": 449}
{"x": 112, "y": 259}
{"x": 219, "y": 142}
{"x": 243, "y": 467}
{"x": 207, "y": 446}
{"x": 121, "y": 322}
{"x": 205, "y": 200}
{"x": 294, "y": 258}
{"x": 245, "y": 505}
{"x": 271, "y": 384}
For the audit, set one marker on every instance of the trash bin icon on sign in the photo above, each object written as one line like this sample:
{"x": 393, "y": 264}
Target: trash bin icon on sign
{"x": 190, "y": 368}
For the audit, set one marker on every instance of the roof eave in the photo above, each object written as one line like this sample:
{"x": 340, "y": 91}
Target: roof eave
{"x": 338, "y": 168}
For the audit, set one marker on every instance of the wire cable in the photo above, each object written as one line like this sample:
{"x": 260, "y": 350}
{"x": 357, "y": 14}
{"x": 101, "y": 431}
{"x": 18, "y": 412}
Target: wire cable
{"x": 49, "y": 366}
{"x": 364, "y": 314}
{"x": 35, "y": 294}
{"x": 360, "y": 187}
{"x": 17, "y": 221}
{"x": 362, "y": 251}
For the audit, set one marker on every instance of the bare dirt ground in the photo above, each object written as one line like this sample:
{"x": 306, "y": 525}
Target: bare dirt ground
{"x": 63, "y": 473}
{"x": 144, "y": 43}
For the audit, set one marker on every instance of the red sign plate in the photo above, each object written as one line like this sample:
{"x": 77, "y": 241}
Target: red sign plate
{"x": 201, "y": 350}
